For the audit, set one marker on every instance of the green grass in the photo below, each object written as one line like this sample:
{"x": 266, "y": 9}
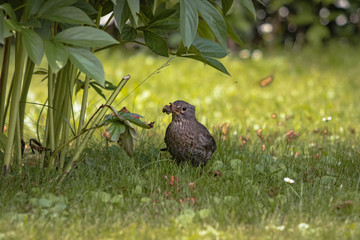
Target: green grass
{"x": 110, "y": 196}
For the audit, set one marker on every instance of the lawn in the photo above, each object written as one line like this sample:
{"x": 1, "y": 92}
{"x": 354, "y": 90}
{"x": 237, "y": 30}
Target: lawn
{"x": 303, "y": 126}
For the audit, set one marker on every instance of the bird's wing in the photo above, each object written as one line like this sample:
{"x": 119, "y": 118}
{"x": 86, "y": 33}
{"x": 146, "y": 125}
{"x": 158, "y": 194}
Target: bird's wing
{"x": 206, "y": 139}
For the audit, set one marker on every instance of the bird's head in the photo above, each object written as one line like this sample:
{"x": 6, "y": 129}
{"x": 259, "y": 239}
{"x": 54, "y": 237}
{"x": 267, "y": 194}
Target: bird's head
{"x": 180, "y": 110}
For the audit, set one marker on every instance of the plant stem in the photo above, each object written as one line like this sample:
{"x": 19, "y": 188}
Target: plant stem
{"x": 83, "y": 106}
{"x": 96, "y": 121}
{"x": 24, "y": 92}
{"x": 3, "y": 81}
{"x": 18, "y": 147}
{"x": 72, "y": 76}
{"x": 19, "y": 67}
{"x": 87, "y": 84}
{"x": 59, "y": 95}
{"x": 50, "y": 111}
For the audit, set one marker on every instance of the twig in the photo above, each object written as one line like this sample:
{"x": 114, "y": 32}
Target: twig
{"x": 167, "y": 63}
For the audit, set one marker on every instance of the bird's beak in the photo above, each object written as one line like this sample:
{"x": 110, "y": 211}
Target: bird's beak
{"x": 174, "y": 109}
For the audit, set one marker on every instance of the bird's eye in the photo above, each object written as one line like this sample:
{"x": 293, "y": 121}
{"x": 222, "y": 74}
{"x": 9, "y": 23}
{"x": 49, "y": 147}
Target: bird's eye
{"x": 184, "y": 109}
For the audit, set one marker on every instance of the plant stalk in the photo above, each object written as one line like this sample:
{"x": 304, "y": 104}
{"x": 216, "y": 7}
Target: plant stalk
{"x": 3, "y": 81}
{"x": 95, "y": 122}
{"x": 87, "y": 84}
{"x": 50, "y": 111}
{"x": 19, "y": 67}
{"x": 83, "y": 106}
{"x": 67, "y": 112}
{"x": 24, "y": 92}
{"x": 18, "y": 147}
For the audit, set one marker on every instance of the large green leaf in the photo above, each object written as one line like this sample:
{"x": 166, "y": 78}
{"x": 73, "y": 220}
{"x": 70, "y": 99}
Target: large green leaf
{"x": 9, "y": 10}
{"x": 33, "y": 44}
{"x": 128, "y": 33}
{"x": 135, "y": 118}
{"x": 56, "y": 55}
{"x": 156, "y": 43}
{"x": 209, "y": 48}
{"x": 32, "y": 23}
{"x": 115, "y": 129}
{"x": 166, "y": 24}
{"x": 134, "y": 6}
{"x": 85, "y": 37}
{"x": 214, "y": 19}
{"x": 209, "y": 61}
{"x": 145, "y": 14}
{"x": 226, "y": 5}
{"x": 189, "y": 21}
{"x": 67, "y": 14}
{"x": 232, "y": 34}
{"x": 97, "y": 90}
{"x": 127, "y": 139}
{"x": 204, "y": 31}
{"x": 121, "y": 116}
{"x": 216, "y": 64}
{"x": 12, "y": 25}
{"x": 32, "y": 7}
{"x": 7, "y": 31}
{"x": 85, "y": 6}
{"x": 51, "y": 5}
{"x": 122, "y": 130}
{"x": 248, "y": 4}
{"x": 87, "y": 63}
{"x": 161, "y": 15}
{"x": 45, "y": 30}
{"x": 121, "y": 13}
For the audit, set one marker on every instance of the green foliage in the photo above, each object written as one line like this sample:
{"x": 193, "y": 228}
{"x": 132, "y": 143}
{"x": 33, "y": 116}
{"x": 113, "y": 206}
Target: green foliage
{"x": 85, "y": 37}
{"x": 188, "y": 21}
{"x": 122, "y": 131}
{"x": 56, "y": 55}
{"x": 33, "y": 45}
{"x": 87, "y": 62}
{"x": 69, "y": 32}
{"x": 121, "y": 13}
{"x": 68, "y": 14}
{"x": 156, "y": 43}
{"x": 214, "y": 20}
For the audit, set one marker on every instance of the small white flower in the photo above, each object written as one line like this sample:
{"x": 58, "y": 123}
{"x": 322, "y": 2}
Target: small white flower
{"x": 288, "y": 180}
{"x": 303, "y": 226}
{"x": 326, "y": 119}
{"x": 280, "y": 228}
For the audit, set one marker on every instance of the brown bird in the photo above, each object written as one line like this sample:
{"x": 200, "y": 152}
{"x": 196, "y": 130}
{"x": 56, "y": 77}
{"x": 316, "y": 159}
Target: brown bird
{"x": 187, "y": 139}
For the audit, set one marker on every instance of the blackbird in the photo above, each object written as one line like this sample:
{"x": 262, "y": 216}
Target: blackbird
{"x": 187, "y": 139}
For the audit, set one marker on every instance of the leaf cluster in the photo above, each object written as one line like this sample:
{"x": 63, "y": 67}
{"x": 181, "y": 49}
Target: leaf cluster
{"x": 64, "y": 30}
{"x": 121, "y": 129}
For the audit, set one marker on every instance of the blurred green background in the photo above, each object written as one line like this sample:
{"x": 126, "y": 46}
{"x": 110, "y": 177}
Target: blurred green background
{"x": 308, "y": 86}
{"x": 309, "y": 47}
